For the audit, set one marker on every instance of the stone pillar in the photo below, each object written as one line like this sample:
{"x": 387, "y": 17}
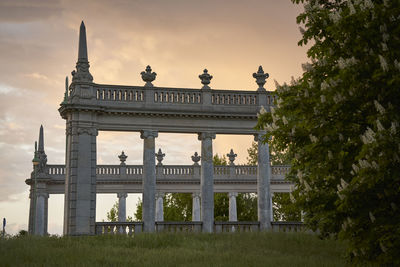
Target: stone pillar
{"x": 160, "y": 207}
{"x": 40, "y": 216}
{"x": 80, "y": 180}
{"x": 122, "y": 206}
{"x": 207, "y": 181}
{"x": 31, "y": 211}
{"x": 196, "y": 207}
{"x": 232, "y": 206}
{"x": 272, "y": 206}
{"x": 263, "y": 184}
{"x": 46, "y": 214}
{"x": 149, "y": 180}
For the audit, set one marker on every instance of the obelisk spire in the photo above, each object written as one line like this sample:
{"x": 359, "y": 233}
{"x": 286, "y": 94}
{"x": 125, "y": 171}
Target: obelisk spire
{"x": 82, "y": 53}
{"x": 82, "y": 73}
{"x": 41, "y": 140}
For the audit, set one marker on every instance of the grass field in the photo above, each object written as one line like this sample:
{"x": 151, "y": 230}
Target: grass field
{"x": 239, "y": 249}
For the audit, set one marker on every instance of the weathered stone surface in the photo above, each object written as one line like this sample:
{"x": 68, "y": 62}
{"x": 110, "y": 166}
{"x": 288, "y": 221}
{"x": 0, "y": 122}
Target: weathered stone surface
{"x": 196, "y": 216}
{"x": 122, "y": 206}
{"x": 159, "y": 207}
{"x": 207, "y": 181}
{"x": 232, "y": 206}
{"x": 263, "y": 183}
{"x": 149, "y": 180}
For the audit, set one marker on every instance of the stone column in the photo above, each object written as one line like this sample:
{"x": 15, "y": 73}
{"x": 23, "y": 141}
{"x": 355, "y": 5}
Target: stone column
{"x": 31, "y": 211}
{"x": 159, "y": 207}
{"x": 196, "y": 207}
{"x": 149, "y": 180}
{"x": 80, "y": 180}
{"x": 232, "y": 206}
{"x": 46, "y": 214}
{"x": 122, "y": 206}
{"x": 40, "y": 215}
{"x": 263, "y": 184}
{"x": 272, "y": 207}
{"x": 207, "y": 182}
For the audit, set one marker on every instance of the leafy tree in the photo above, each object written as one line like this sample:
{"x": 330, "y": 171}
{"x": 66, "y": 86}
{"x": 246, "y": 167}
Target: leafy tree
{"x": 340, "y": 124}
{"x": 219, "y": 161}
{"x": 277, "y": 156}
{"x": 112, "y": 215}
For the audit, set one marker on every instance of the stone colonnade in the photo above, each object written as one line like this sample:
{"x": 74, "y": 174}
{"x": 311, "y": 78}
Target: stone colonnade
{"x": 203, "y": 201}
{"x": 80, "y": 187}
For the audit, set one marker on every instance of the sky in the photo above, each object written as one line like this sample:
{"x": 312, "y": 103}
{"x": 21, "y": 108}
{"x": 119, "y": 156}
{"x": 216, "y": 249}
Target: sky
{"x": 177, "y": 38}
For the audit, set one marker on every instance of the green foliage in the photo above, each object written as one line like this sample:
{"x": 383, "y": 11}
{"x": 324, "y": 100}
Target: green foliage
{"x": 284, "y": 209}
{"x": 139, "y": 209}
{"x": 246, "y": 205}
{"x": 174, "y": 249}
{"x": 178, "y": 207}
{"x": 112, "y": 215}
{"x": 340, "y": 124}
{"x": 252, "y": 158}
{"x": 277, "y": 156}
{"x": 219, "y": 161}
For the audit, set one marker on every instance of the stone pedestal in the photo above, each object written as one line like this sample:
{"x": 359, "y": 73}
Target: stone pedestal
{"x": 80, "y": 182}
{"x": 232, "y": 206}
{"x": 149, "y": 180}
{"x": 122, "y": 206}
{"x": 160, "y": 207}
{"x": 207, "y": 181}
{"x": 263, "y": 184}
{"x": 196, "y": 207}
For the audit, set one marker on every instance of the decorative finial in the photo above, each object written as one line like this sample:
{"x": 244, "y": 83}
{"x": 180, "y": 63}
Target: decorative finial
{"x": 260, "y": 77}
{"x": 35, "y": 147}
{"x": 205, "y": 79}
{"x": 122, "y": 158}
{"x": 196, "y": 158}
{"x": 160, "y": 156}
{"x": 231, "y": 157}
{"x": 41, "y": 140}
{"x": 82, "y": 73}
{"x": 66, "y": 91}
{"x": 82, "y": 52}
{"x": 148, "y": 76}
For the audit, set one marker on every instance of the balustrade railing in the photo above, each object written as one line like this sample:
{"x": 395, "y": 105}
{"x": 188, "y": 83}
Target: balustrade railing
{"x": 224, "y": 97}
{"x": 177, "y": 170}
{"x": 120, "y": 94}
{"x": 134, "y": 169}
{"x": 280, "y": 169}
{"x": 132, "y": 228}
{"x": 168, "y": 95}
{"x": 224, "y": 227}
{"x": 162, "y": 95}
{"x": 56, "y": 169}
{"x": 170, "y": 171}
{"x": 179, "y": 227}
{"x": 114, "y": 228}
{"x": 221, "y": 170}
{"x": 288, "y": 226}
{"x": 246, "y": 170}
{"x": 107, "y": 170}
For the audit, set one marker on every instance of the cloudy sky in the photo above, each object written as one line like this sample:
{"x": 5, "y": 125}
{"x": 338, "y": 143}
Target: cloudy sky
{"x": 178, "y": 38}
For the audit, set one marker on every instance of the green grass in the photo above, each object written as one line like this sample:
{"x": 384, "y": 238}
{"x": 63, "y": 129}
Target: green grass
{"x": 239, "y": 249}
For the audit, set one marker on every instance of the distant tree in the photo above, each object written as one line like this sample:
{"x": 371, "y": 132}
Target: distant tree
{"x": 112, "y": 215}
